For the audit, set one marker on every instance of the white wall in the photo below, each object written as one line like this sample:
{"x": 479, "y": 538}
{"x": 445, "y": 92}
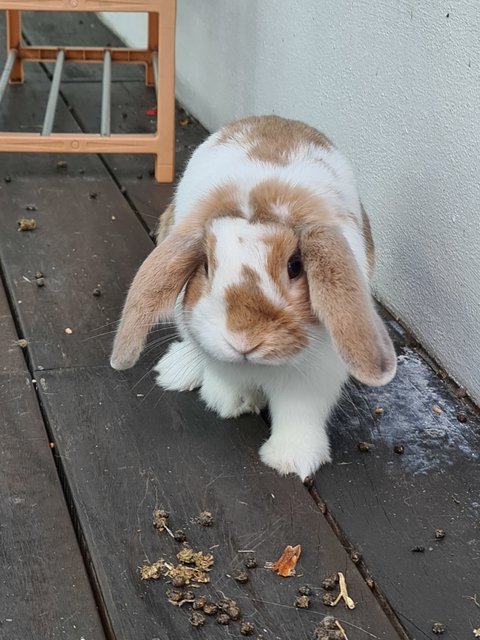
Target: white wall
{"x": 396, "y": 84}
{"x": 131, "y": 27}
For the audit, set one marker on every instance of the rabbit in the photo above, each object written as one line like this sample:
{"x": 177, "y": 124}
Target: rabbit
{"x": 264, "y": 261}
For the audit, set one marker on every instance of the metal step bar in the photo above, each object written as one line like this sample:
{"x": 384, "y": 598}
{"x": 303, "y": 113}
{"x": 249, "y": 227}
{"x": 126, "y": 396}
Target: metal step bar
{"x": 7, "y": 70}
{"x": 49, "y": 118}
{"x": 106, "y": 93}
{"x": 158, "y": 59}
{"x": 53, "y": 95}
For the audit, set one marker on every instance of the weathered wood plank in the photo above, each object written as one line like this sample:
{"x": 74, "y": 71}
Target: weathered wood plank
{"x": 80, "y": 215}
{"x": 116, "y": 472}
{"x": 135, "y": 173}
{"x": 74, "y": 234}
{"x": 388, "y": 503}
{"x": 11, "y": 359}
{"x": 145, "y": 449}
{"x": 406, "y": 503}
{"x": 419, "y": 586}
{"x": 70, "y": 260}
{"x": 44, "y": 589}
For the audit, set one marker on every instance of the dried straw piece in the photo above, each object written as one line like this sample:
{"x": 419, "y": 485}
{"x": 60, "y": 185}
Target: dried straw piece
{"x": 343, "y": 595}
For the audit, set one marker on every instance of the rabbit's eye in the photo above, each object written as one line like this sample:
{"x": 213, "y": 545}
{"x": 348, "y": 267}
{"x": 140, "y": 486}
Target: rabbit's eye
{"x": 294, "y": 267}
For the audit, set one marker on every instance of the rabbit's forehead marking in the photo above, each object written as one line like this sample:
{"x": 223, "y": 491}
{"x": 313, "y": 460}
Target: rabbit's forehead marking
{"x": 241, "y": 245}
{"x": 278, "y": 201}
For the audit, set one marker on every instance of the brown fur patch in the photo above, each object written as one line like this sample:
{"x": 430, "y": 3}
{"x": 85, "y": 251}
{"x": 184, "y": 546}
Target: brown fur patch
{"x": 166, "y": 271}
{"x": 271, "y": 138}
{"x": 199, "y": 282}
{"x": 340, "y": 297}
{"x": 281, "y": 246}
{"x": 155, "y": 289}
{"x": 275, "y": 332}
{"x": 369, "y": 245}
{"x": 250, "y": 276}
{"x": 196, "y": 287}
{"x": 304, "y": 206}
{"x": 210, "y": 253}
{"x": 221, "y": 202}
{"x": 165, "y": 223}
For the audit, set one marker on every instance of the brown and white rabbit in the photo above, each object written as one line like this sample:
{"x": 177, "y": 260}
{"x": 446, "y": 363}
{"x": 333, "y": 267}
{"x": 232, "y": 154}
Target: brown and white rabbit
{"x": 266, "y": 268}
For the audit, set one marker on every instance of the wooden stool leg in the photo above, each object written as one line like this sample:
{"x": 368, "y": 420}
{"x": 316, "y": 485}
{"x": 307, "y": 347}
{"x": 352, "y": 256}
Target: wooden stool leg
{"x": 165, "y": 159}
{"x": 14, "y": 41}
{"x": 152, "y": 46}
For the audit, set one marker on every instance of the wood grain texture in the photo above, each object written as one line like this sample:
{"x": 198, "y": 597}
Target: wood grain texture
{"x": 124, "y": 447}
{"x": 80, "y": 215}
{"x": 135, "y": 173}
{"x": 44, "y": 589}
{"x": 74, "y": 265}
{"x": 164, "y": 450}
{"x": 128, "y": 448}
{"x": 11, "y": 359}
{"x": 386, "y": 504}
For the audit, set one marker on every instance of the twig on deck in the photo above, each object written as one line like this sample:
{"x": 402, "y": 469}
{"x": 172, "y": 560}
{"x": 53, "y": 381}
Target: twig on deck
{"x": 342, "y": 630}
{"x": 343, "y": 593}
{"x": 474, "y": 598}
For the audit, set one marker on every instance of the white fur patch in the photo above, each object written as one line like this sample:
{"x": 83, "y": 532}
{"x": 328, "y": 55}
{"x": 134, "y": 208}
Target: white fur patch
{"x": 281, "y": 210}
{"x": 239, "y": 244}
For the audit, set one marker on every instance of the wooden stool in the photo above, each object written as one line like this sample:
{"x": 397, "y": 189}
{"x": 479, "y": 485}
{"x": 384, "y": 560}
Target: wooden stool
{"x": 159, "y": 61}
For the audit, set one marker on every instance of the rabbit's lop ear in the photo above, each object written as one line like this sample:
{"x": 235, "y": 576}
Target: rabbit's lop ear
{"x": 154, "y": 290}
{"x": 340, "y": 297}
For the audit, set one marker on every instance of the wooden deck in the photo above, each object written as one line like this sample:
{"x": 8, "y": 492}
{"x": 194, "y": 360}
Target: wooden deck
{"x": 87, "y": 453}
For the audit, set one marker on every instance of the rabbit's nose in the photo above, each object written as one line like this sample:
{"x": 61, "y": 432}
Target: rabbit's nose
{"x": 242, "y": 344}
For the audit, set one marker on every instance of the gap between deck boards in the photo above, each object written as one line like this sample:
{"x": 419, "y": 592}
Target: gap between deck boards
{"x": 310, "y": 484}
{"x": 326, "y": 477}
{"x": 39, "y": 372}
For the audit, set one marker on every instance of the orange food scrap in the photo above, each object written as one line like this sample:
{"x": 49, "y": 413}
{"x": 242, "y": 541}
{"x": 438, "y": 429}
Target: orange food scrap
{"x": 285, "y": 565}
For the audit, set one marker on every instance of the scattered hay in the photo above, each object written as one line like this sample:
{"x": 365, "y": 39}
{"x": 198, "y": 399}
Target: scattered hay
{"x": 26, "y": 224}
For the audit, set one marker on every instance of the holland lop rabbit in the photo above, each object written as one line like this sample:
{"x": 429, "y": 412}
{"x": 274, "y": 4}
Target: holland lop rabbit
{"x": 264, "y": 259}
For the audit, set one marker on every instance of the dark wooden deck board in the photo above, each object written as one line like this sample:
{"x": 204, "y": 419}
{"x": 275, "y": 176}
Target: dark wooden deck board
{"x": 134, "y": 173}
{"x": 11, "y": 360}
{"x": 80, "y": 214}
{"x": 140, "y": 449}
{"x": 74, "y": 235}
{"x": 44, "y": 589}
{"x": 76, "y": 30}
{"x": 112, "y": 443}
{"x": 383, "y": 503}
{"x": 381, "y": 486}
{"x": 386, "y": 503}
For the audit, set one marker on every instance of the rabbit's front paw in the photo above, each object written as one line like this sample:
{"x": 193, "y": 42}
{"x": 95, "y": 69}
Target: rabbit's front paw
{"x": 294, "y": 454}
{"x": 180, "y": 368}
{"x": 229, "y": 401}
